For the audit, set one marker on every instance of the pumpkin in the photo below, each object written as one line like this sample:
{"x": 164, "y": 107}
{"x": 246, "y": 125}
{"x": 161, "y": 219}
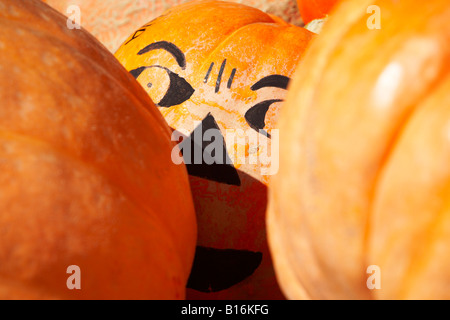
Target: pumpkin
{"x": 112, "y": 21}
{"x": 85, "y": 168}
{"x": 221, "y": 66}
{"x": 315, "y": 9}
{"x": 360, "y": 206}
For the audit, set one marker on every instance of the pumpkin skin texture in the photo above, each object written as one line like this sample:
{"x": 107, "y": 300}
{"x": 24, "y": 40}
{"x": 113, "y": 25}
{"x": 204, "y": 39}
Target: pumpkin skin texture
{"x": 112, "y": 21}
{"x": 85, "y": 169}
{"x": 315, "y": 9}
{"x": 364, "y": 175}
{"x": 228, "y": 48}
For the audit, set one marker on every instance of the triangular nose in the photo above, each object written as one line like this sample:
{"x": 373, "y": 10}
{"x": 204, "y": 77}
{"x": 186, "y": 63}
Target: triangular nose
{"x": 218, "y": 166}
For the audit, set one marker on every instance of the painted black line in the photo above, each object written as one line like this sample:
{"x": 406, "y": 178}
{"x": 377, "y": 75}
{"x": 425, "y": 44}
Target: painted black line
{"x": 208, "y": 73}
{"x": 219, "y": 78}
{"x": 256, "y": 116}
{"x": 136, "y": 34}
{"x": 276, "y": 81}
{"x": 230, "y": 81}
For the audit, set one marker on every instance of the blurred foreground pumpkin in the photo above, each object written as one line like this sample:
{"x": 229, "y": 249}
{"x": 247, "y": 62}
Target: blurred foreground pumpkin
{"x": 112, "y": 21}
{"x": 360, "y": 208}
{"x": 222, "y": 68}
{"x": 85, "y": 170}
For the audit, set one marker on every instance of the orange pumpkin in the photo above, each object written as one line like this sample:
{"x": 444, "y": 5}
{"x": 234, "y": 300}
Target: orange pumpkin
{"x": 222, "y": 66}
{"x": 360, "y": 207}
{"x": 315, "y": 9}
{"x": 85, "y": 169}
{"x": 112, "y": 21}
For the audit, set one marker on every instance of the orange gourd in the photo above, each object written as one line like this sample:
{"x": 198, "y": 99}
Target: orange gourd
{"x": 222, "y": 66}
{"x": 360, "y": 207}
{"x": 315, "y": 9}
{"x": 85, "y": 168}
{"x": 112, "y": 21}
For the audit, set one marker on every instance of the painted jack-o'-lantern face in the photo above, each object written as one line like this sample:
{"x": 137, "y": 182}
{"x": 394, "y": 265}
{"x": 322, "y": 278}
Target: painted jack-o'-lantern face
{"x": 222, "y": 66}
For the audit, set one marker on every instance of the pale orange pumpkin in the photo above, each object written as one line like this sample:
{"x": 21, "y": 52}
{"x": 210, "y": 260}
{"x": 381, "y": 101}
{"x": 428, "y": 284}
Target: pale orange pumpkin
{"x": 362, "y": 196}
{"x": 85, "y": 169}
{"x": 112, "y": 21}
{"x": 225, "y": 66}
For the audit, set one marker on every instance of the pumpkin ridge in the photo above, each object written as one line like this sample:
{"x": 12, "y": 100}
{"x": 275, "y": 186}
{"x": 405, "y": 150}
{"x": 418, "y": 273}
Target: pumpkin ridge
{"x": 147, "y": 213}
{"x": 390, "y": 148}
{"x": 287, "y": 255}
{"x": 95, "y": 168}
{"x": 417, "y": 260}
{"x": 385, "y": 159}
{"x": 143, "y": 99}
{"x": 316, "y": 50}
{"x": 283, "y": 257}
{"x": 422, "y": 257}
{"x": 282, "y": 27}
{"x": 220, "y": 44}
{"x": 88, "y": 181}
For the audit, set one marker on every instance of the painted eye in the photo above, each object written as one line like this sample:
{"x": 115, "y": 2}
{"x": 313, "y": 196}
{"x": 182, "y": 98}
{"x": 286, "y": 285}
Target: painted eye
{"x": 179, "y": 89}
{"x": 256, "y": 116}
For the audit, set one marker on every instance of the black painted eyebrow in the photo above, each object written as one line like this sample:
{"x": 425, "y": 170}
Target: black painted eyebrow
{"x": 275, "y": 81}
{"x": 169, "y": 47}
